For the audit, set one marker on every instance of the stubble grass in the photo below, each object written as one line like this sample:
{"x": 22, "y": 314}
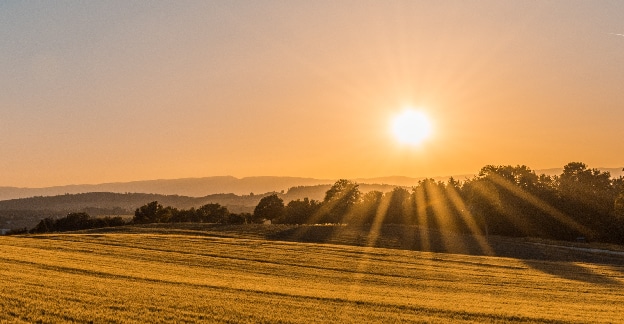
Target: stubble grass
{"x": 125, "y": 278}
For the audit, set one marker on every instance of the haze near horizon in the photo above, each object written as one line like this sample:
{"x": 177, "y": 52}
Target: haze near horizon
{"x": 115, "y": 91}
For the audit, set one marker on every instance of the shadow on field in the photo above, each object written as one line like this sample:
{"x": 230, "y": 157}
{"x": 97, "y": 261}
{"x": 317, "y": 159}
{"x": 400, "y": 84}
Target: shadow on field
{"x": 309, "y": 234}
{"x": 389, "y": 236}
{"x": 551, "y": 259}
{"x": 571, "y": 271}
{"x": 413, "y": 238}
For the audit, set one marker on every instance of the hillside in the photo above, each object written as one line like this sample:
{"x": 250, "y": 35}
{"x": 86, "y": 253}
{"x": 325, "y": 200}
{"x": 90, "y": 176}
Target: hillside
{"x": 27, "y": 212}
{"x": 201, "y": 187}
{"x": 394, "y": 237}
{"x": 225, "y": 275}
{"x": 192, "y": 187}
{"x": 127, "y": 202}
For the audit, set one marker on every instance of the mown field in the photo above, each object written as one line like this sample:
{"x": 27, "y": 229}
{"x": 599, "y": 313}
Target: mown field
{"x": 251, "y": 275}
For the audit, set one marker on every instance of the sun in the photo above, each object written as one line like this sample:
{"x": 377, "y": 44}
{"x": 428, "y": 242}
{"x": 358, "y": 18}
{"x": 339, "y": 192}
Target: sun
{"x": 411, "y": 127}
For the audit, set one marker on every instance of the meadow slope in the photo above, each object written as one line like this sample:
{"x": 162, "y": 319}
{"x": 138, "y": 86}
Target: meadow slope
{"x": 166, "y": 276}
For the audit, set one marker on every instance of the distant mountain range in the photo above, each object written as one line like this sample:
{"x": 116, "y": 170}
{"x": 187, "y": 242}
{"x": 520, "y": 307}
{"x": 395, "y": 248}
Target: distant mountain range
{"x": 27, "y": 212}
{"x": 197, "y": 187}
{"x": 24, "y": 207}
{"x": 192, "y": 187}
{"x": 201, "y": 187}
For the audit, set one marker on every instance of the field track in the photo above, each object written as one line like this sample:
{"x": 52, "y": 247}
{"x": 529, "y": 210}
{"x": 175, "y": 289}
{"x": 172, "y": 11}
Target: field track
{"x": 189, "y": 275}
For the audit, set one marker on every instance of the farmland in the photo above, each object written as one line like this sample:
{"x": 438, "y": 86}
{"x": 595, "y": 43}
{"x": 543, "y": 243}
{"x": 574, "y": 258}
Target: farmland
{"x": 251, "y": 274}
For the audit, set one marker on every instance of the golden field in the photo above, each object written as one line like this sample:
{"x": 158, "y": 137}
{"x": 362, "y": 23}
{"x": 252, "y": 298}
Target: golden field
{"x": 162, "y": 275}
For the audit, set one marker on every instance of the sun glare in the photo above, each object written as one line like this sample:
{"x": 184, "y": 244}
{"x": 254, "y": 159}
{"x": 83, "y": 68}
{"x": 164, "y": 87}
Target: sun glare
{"x": 411, "y": 127}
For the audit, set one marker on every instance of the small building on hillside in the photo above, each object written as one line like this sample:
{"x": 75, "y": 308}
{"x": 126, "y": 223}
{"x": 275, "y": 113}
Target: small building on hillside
{"x": 4, "y": 231}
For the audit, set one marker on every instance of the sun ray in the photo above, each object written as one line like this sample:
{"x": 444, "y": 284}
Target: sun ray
{"x": 371, "y": 241}
{"x": 375, "y": 229}
{"x": 326, "y": 206}
{"x": 447, "y": 227}
{"x": 469, "y": 220}
{"x": 540, "y": 204}
{"x": 408, "y": 235}
{"x": 491, "y": 194}
{"x": 421, "y": 214}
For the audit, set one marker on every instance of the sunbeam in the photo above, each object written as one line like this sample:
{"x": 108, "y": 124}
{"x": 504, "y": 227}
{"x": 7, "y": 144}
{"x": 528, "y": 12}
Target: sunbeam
{"x": 371, "y": 241}
{"x": 540, "y": 204}
{"x": 375, "y": 228}
{"x": 447, "y": 226}
{"x": 421, "y": 213}
{"x": 469, "y": 220}
{"x": 490, "y": 193}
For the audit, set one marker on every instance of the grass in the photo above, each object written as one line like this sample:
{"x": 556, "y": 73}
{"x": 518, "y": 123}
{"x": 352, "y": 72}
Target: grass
{"x": 201, "y": 273}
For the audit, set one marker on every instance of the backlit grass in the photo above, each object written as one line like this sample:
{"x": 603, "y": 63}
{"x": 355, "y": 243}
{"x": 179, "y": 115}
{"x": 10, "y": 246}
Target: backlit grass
{"x": 190, "y": 278}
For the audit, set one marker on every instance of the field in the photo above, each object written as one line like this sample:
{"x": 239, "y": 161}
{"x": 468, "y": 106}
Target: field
{"x": 259, "y": 274}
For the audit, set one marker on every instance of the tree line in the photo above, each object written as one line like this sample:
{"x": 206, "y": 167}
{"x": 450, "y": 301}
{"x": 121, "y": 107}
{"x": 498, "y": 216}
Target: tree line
{"x": 152, "y": 212}
{"x": 501, "y": 200}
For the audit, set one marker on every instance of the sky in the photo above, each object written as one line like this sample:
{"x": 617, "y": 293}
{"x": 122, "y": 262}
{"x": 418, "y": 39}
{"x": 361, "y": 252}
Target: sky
{"x": 110, "y": 91}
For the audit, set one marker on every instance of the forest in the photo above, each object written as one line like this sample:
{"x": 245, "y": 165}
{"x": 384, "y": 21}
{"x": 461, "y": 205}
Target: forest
{"x": 579, "y": 204}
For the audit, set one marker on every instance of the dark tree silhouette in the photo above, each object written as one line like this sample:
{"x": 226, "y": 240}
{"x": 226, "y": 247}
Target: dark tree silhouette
{"x": 184, "y": 216}
{"x": 367, "y": 209}
{"x": 74, "y": 222}
{"x": 399, "y": 207}
{"x": 588, "y": 196}
{"x": 619, "y": 206}
{"x": 300, "y": 211}
{"x": 212, "y": 213}
{"x": 270, "y": 207}
{"x": 150, "y": 213}
{"x": 44, "y": 226}
{"x": 501, "y": 200}
{"x": 339, "y": 201}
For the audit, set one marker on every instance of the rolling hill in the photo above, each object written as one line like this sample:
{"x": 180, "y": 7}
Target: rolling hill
{"x": 192, "y": 187}
{"x": 248, "y": 274}
{"x": 201, "y": 187}
{"x": 27, "y": 212}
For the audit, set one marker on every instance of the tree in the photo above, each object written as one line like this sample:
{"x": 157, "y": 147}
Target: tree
{"x": 184, "y": 215}
{"x": 578, "y": 180}
{"x": 212, "y": 213}
{"x": 399, "y": 207}
{"x": 300, "y": 211}
{"x": 520, "y": 175}
{"x": 619, "y": 206}
{"x": 339, "y": 200}
{"x": 44, "y": 226}
{"x": 233, "y": 218}
{"x": 148, "y": 213}
{"x": 366, "y": 209}
{"x": 588, "y": 195}
{"x": 167, "y": 214}
{"x": 484, "y": 203}
{"x": 247, "y": 218}
{"x": 73, "y": 222}
{"x": 270, "y": 207}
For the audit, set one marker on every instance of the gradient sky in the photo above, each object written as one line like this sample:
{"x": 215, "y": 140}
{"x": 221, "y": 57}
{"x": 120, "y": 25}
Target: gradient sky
{"x": 106, "y": 91}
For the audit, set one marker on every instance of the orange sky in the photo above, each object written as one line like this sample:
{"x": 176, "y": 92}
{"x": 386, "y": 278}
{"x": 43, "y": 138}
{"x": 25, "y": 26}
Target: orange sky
{"x": 119, "y": 91}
